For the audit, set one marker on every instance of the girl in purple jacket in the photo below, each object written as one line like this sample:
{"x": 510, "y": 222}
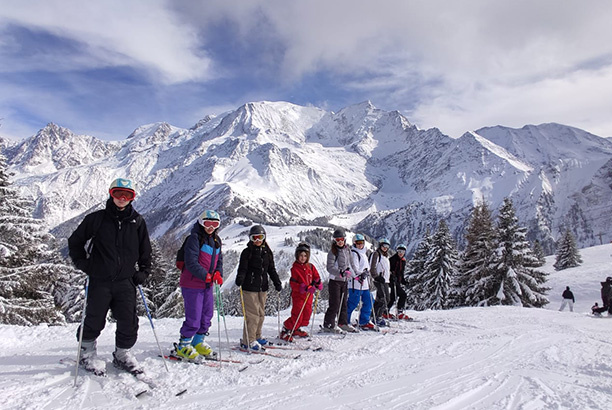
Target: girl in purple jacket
{"x": 203, "y": 267}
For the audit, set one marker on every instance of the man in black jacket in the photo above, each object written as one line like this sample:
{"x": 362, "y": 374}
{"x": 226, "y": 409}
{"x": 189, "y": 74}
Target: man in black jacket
{"x": 119, "y": 241}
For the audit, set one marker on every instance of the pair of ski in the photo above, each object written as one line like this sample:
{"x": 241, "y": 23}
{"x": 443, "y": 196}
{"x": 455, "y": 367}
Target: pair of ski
{"x": 266, "y": 353}
{"x": 212, "y": 362}
{"x": 143, "y": 383}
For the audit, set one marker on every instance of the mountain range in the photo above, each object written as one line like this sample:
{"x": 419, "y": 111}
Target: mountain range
{"x": 363, "y": 168}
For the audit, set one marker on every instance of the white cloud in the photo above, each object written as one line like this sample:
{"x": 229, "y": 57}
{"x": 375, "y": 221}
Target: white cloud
{"x": 143, "y": 34}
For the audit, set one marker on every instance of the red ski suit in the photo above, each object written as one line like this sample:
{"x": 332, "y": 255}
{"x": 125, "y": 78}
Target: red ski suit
{"x": 302, "y": 276}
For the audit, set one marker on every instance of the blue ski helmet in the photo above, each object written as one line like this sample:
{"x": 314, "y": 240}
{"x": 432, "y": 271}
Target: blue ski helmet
{"x": 401, "y": 246}
{"x": 384, "y": 241}
{"x": 121, "y": 184}
{"x": 208, "y": 215}
{"x": 358, "y": 237}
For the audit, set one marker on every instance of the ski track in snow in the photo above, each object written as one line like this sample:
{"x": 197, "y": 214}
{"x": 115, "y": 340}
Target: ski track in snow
{"x": 469, "y": 358}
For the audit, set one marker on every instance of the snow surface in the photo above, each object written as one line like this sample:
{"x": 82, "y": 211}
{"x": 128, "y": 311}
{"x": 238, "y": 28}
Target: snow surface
{"x": 476, "y": 358}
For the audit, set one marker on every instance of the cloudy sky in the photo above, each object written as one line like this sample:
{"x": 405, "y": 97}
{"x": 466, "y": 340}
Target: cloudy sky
{"x": 103, "y": 68}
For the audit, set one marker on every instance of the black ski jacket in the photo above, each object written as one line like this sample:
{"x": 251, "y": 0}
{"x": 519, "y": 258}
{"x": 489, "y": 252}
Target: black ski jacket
{"x": 120, "y": 241}
{"x": 256, "y": 264}
{"x": 398, "y": 267}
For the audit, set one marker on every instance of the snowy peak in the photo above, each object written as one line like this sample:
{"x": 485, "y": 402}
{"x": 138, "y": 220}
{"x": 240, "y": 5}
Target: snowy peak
{"x": 549, "y": 143}
{"x": 54, "y": 148}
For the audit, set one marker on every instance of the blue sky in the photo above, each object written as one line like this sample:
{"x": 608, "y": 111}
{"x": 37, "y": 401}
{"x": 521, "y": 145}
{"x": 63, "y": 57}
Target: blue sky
{"x": 103, "y": 68}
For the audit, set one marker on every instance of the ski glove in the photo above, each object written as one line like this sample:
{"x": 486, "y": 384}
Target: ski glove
{"x": 139, "y": 277}
{"x": 238, "y": 281}
{"x": 311, "y": 289}
{"x": 317, "y": 284}
{"x": 346, "y": 273}
{"x": 278, "y": 287}
{"x": 217, "y": 278}
{"x": 380, "y": 279}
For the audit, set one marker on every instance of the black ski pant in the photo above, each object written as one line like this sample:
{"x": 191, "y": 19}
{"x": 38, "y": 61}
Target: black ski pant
{"x": 397, "y": 292}
{"x": 120, "y": 298}
{"x": 338, "y": 296}
{"x": 382, "y": 298}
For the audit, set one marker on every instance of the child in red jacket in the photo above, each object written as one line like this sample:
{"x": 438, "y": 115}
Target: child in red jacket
{"x": 305, "y": 281}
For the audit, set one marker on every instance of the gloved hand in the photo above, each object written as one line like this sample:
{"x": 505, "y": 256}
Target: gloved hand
{"x": 346, "y": 273}
{"x": 139, "y": 277}
{"x": 303, "y": 287}
{"x": 311, "y": 289}
{"x": 209, "y": 277}
{"x": 239, "y": 281}
{"x": 217, "y": 278}
{"x": 317, "y": 284}
{"x": 278, "y": 287}
{"x": 360, "y": 279}
{"x": 380, "y": 279}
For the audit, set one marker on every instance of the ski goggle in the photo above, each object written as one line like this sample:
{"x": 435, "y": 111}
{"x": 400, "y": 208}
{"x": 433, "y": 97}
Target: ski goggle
{"x": 339, "y": 239}
{"x": 384, "y": 246}
{"x": 359, "y": 242}
{"x": 211, "y": 223}
{"x": 258, "y": 237}
{"x": 124, "y": 194}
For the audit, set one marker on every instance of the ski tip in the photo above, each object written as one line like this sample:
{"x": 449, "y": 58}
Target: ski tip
{"x": 181, "y": 392}
{"x": 140, "y": 393}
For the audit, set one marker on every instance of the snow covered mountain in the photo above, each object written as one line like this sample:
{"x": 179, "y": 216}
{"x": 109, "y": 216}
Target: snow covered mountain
{"x": 283, "y": 164}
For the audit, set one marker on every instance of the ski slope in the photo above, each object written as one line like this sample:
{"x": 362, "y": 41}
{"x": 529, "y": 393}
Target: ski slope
{"x": 469, "y": 358}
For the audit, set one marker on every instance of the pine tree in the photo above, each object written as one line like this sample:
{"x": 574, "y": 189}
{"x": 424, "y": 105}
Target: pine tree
{"x": 567, "y": 252}
{"x": 414, "y": 270}
{"x": 154, "y": 288}
{"x": 27, "y": 264}
{"x": 538, "y": 252}
{"x": 515, "y": 283}
{"x": 439, "y": 271}
{"x": 475, "y": 280}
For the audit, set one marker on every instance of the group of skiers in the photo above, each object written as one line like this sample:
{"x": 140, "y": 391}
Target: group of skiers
{"x": 112, "y": 247}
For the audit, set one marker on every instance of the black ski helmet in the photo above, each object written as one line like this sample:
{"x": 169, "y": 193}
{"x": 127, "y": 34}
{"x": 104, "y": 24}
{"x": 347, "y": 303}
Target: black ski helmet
{"x": 339, "y": 233}
{"x": 257, "y": 230}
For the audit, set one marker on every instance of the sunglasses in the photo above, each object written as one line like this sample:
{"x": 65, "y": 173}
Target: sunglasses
{"x": 123, "y": 194}
{"x": 339, "y": 239}
{"x": 211, "y": 224}
{"x": 258, "y": 237}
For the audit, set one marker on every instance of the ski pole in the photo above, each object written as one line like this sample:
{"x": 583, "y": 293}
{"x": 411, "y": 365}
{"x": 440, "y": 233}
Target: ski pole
{"x": 144, "y": 300}
{"x": 299, "y": 317}
{"x": 314, "y": 312}
{"x": 373, "y": 310}
{"x": 246, "y": 328}
{"x": 76, "y": 370}
{"x": 278, "y": 314}
{"x": 223, "y": 316}
{"x": 216, "y": 296}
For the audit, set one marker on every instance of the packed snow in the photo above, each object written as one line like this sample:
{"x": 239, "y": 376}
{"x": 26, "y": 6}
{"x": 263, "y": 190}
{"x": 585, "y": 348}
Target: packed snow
{"x": 476, "y": 358}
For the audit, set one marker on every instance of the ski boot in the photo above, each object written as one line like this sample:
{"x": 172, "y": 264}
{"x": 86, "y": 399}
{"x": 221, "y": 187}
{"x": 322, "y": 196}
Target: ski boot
{"x": 202, "y": 347}
{"x": 299, "y": 332}
{"x": 89, "y": 358}
{"x": 348, "y": 328}
{"x": 286, "y": 335}
{"x": 125, "y": 360}
{"x": 185, "y": 351}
